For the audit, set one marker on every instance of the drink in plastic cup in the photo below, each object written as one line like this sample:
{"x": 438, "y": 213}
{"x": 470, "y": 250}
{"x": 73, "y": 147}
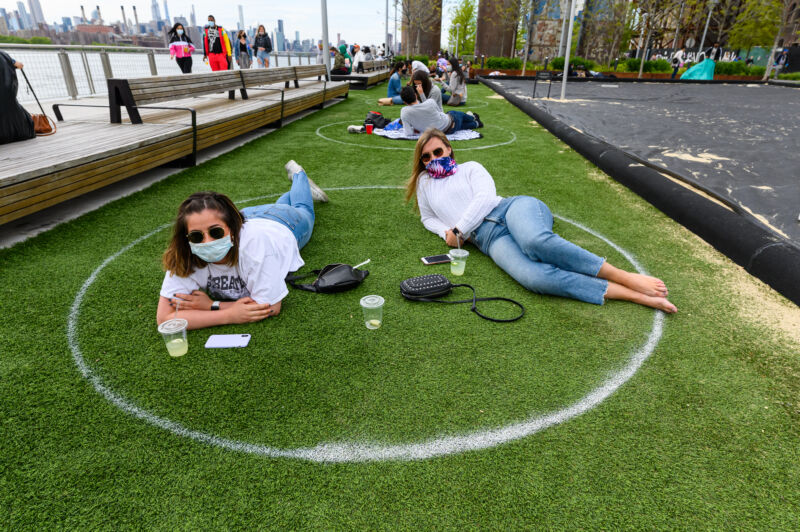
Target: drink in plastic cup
{"x": 373, "y": 311}
{"x": 369, "y": 129}
{"x": 458, "y": 260}
{"x": 174, "y": 333}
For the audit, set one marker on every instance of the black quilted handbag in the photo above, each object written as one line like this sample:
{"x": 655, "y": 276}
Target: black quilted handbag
{"x": 429, "y": 288}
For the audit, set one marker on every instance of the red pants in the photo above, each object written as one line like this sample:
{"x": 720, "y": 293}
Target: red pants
{"x": 218, "y": 62}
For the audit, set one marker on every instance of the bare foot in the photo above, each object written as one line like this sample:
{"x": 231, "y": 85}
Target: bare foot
{"x": 644, "y": 284}
{"x": 660, "y": 303}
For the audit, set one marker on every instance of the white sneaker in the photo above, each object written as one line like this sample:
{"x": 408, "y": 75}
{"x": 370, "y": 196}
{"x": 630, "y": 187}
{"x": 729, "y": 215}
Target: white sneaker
{"x": 316, "y": 193}
{"x": 470, "y": 114}
{"x": 356, "y": 129}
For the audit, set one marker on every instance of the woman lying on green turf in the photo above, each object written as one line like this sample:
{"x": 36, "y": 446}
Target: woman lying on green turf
{"x": 460, "y": 203}
{"x": 241, "y": 257}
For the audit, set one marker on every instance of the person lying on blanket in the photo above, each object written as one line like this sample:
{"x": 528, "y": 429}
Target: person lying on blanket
{"x": 459, "y": 203}
{"x": 418, "y": 117}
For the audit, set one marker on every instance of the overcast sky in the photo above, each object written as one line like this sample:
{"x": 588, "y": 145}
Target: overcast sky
{"x": 359, "y": 21}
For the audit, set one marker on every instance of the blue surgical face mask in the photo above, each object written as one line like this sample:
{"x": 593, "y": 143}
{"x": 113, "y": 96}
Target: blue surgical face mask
{"x": 180, "y": 32}
{"x": 213, "y": 251}
{"x": 211, "y": 24}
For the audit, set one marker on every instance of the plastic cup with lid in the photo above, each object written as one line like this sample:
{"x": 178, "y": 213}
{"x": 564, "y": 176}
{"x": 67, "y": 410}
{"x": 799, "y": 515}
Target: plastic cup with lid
{"x": 373, "y": 311}
{"x": 174, "y": 333}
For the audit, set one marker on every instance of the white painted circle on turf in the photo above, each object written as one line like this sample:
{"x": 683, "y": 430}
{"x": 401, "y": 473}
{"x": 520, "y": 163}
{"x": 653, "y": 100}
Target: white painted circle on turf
{"x": 460, "y": 149}
{"x": 365, "y": 452}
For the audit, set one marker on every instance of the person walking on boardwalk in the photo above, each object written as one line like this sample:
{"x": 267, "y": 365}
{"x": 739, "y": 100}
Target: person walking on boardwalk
{"x": 181, "y": 48}
{"x": 243, "y": 51}
{"x": 216, "y": 46}
{"x": 263, "y": 46}
{"x": 459, "y": 203}
{"x": 678, "y": 58}
{"x": 226, "y": 265}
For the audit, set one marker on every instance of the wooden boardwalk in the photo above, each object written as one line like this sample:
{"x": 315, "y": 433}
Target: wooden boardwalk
{"x": 88, "y": 152}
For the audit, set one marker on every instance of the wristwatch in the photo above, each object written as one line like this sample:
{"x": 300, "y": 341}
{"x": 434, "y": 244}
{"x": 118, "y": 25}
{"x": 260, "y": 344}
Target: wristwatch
{"x": 215, "y": 305}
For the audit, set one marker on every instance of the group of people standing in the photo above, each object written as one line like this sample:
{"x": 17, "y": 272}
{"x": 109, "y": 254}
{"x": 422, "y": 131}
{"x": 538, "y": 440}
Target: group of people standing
{"x": 218, "y": 51}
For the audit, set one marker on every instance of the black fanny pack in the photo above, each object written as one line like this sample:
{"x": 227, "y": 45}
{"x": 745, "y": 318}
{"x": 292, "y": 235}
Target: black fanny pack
{"x": 331, "y": 279}
{"x": 428, "y": 288}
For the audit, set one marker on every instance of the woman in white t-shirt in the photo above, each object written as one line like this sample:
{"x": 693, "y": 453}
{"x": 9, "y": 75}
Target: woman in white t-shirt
{"x": 459, "y": 203}
{"x": 228, "y": 266}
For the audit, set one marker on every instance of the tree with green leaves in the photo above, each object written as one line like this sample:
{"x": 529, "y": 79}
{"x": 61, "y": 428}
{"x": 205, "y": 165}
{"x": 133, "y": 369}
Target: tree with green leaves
{"x": 464, "y": 13}
{"x": 753, "y": 26}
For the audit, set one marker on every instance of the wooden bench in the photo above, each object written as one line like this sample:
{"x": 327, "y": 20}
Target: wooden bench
{"x": 90, "y": 153}
{"x": 374, "y": 72}
{"x": 138, "y": 92}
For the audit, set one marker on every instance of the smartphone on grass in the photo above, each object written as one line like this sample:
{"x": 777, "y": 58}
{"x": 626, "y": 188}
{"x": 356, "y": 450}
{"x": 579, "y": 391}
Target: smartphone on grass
{"x": 435, "y": 259}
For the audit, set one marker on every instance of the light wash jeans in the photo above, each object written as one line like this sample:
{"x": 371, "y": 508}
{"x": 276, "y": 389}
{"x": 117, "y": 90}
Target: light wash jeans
{"x": 295, "y": 210}
{"x": 518, "y": 235}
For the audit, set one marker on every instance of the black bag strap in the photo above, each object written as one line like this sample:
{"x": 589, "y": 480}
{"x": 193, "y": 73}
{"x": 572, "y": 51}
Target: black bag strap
{"x": 32, "y": 91}
{"x": 291, "y": 279}
{"x": 474, "y": 302}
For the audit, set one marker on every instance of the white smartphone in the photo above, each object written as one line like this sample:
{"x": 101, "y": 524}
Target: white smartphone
{"x": 227, "y": 340}
{"x": 435, "y": 259}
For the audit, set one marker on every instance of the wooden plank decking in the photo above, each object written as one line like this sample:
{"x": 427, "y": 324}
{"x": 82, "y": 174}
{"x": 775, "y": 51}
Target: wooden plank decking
{"x": 88, "y": 152}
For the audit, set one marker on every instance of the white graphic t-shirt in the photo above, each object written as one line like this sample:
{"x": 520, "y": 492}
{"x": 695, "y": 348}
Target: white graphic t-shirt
{"x": 267, "y": 252}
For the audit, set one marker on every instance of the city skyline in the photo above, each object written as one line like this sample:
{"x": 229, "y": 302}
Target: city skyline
{"x": 302, "y": 16}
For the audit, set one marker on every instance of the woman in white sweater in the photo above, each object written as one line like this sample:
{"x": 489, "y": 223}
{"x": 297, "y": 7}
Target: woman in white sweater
{"x": 459, "y": 203}
{"x": 457, "y": 86}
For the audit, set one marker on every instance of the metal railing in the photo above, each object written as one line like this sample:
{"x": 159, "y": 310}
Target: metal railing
{"x": 72, "y": 71}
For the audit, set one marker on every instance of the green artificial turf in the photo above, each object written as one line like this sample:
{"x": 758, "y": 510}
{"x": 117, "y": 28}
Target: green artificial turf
{"x": 705, "y": 434}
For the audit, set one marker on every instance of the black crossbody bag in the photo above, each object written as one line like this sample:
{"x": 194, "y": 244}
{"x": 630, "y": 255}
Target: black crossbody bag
{"x": 428, "y": 288}
{"x": 331, "y": 279}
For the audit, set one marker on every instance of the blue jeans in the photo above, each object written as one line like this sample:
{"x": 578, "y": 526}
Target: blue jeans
{"x": 446, "y": 98}
{"x": 397, "y": 100}
{"x": 295, "y": 210}
{"x": 518, "y": 236}
{"x": 461, "y": 121}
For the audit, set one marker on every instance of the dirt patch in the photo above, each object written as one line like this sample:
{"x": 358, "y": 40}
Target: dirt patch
{"x": 496, "y": 97}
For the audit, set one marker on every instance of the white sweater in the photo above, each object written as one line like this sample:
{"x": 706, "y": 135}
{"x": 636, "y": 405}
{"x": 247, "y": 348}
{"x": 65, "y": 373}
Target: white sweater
{"x": 461, "y": 200}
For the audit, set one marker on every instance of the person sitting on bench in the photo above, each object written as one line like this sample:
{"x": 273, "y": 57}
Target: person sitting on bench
{"x": 339, "y": 67}
{"x": 418, "y": 117}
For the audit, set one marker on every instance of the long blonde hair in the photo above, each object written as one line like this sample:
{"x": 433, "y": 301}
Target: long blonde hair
{"x": 417, "y": 165}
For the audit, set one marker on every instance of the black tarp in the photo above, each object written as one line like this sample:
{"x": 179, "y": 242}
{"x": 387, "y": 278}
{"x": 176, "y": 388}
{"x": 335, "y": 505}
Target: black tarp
{"x": 15, "y": 122}
{"x": 739, "y": 142}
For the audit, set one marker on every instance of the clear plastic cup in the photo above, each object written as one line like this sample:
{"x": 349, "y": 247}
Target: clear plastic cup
{"x": 458, "y": 261}
{"x": 174, "y": 333}
{"x": 373, "y": 311}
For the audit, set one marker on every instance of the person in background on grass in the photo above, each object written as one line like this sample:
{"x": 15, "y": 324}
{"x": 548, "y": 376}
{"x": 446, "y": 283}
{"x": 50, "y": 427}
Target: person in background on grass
{"x": 678, "y": 58}
{"x": 418, "y": 117}
{"x": 216, "y": 46}
{"x": 394, "y": 86}
{"x": 228, "y": 266}
{"x": 339, "y": 66}
{"x": 15, "y": 122}
{"x": 421, "y": 83}
{"x": 181, "y": 48}
{"x": 457, "y": 86}
{"x": 419, "y": 65}
{"x": 243, "y": 51}
{"x": 459, "y": 203}
{"x": 263, "y": 47}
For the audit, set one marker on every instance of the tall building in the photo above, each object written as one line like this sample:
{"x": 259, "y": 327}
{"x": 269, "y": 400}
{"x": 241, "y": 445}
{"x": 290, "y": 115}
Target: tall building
{"x": 156, "y": 11}
{"x": 36, "y": 11}
{"x": 166, "y": 13}
{"x": 241, "y": 17}
{"x": 280, "y": 40}
{"x": 4, "y": 15}
{"x": 25, "y": 19}
{"x": 193, "y": 17}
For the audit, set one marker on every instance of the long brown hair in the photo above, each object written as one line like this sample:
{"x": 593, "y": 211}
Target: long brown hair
{"x": 417, "y": 165}
{"x": 178, "y": 258}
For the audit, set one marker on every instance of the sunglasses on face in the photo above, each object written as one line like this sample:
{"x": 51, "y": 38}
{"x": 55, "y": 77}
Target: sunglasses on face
{"x": 196, "y": 237}
{"x": 435, "y": 154}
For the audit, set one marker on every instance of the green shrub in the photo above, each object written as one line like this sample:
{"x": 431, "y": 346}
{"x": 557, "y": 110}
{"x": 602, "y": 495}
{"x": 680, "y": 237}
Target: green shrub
{"x": 659, "y": 65}
{"x": 735, "y": 68}
{"x": 41, "y": 40}
{"x": 757, "y": 71}
{"x": 794, "y": 76}
{"x": 13, "y": 39}
{"x": 421, "y": 58}
{"x": 508, "y": 63}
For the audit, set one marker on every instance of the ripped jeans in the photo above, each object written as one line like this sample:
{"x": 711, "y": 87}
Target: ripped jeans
{"x": 518, "y": 236}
